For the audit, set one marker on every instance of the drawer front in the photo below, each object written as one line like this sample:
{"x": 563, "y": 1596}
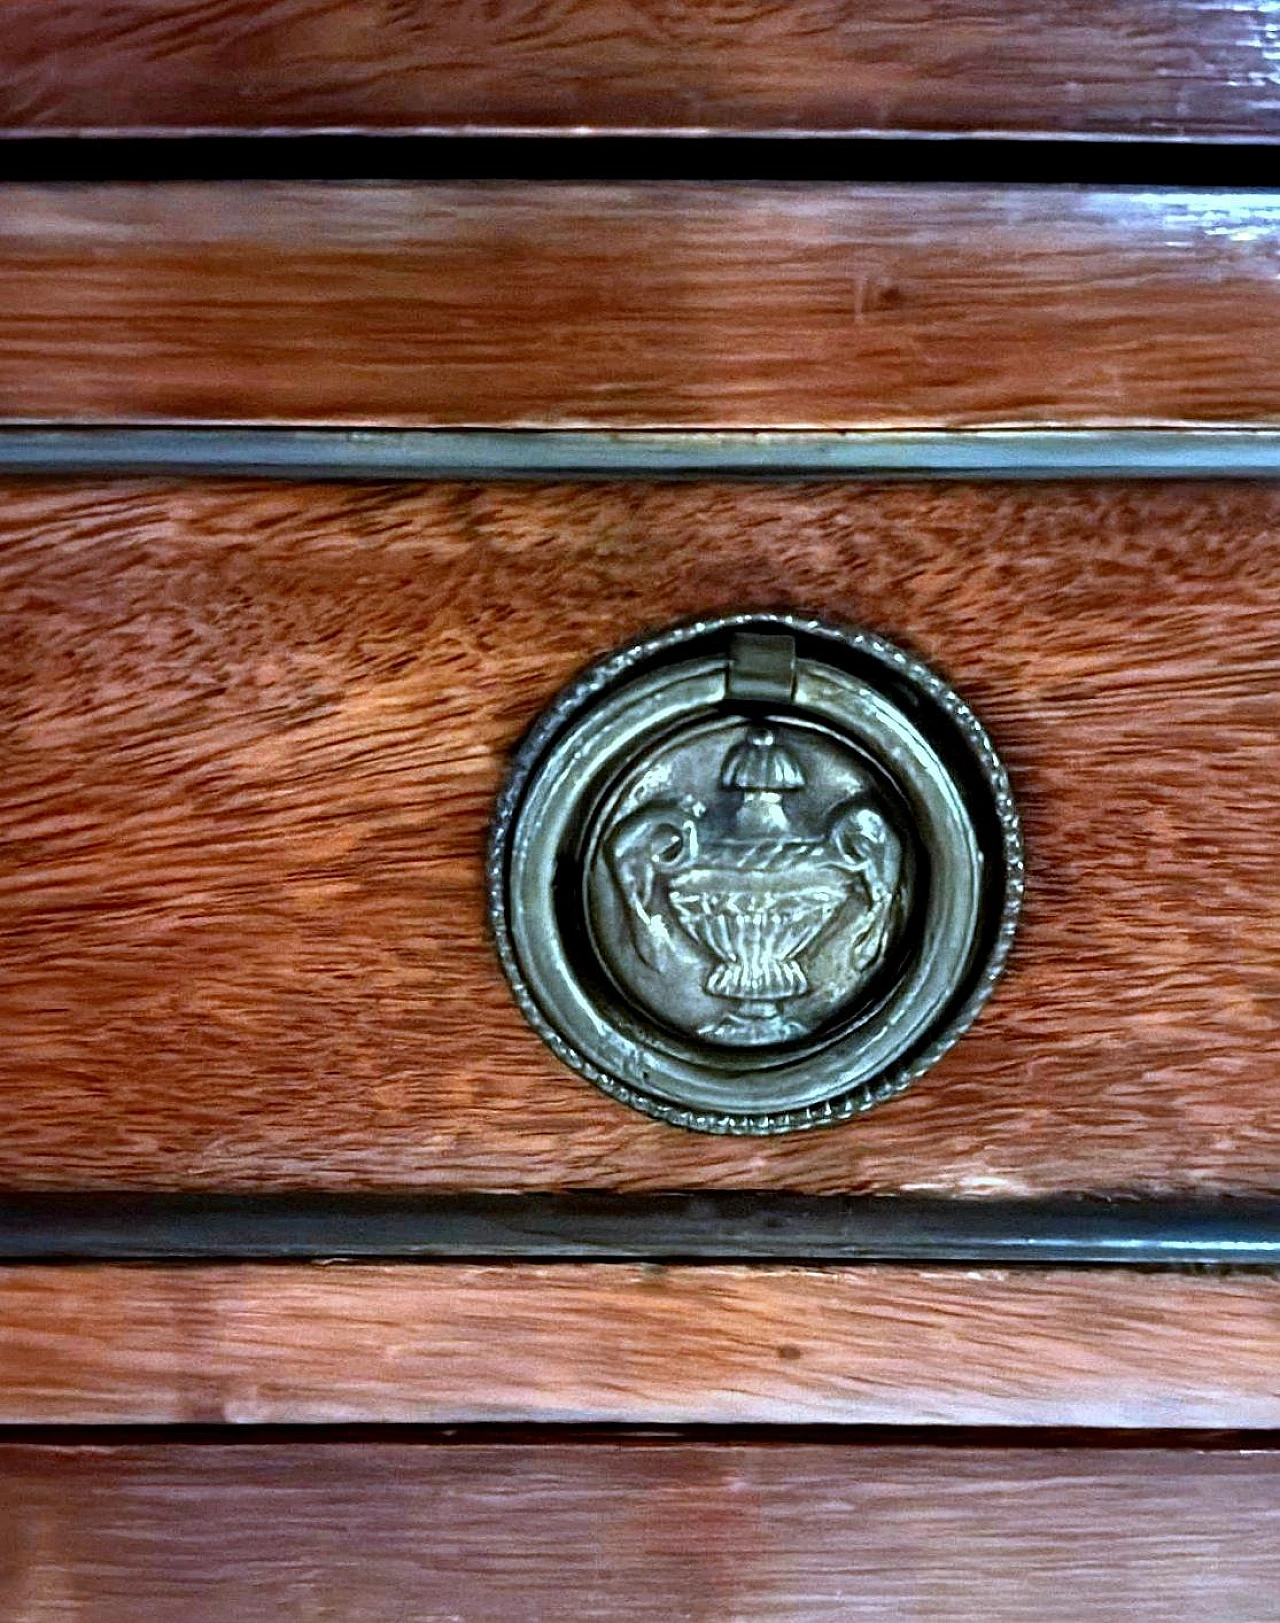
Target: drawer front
{"x": 636, "y": 1344}
{"x": 254, "y": 733}
{"x": 644, "y": 306}
{"x": 981, "y": 65}
{"x": 749, "y": 1531}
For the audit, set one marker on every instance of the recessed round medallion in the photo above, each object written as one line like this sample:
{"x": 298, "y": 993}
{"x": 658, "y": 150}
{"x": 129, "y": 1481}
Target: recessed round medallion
{"x": 754, "y": 873}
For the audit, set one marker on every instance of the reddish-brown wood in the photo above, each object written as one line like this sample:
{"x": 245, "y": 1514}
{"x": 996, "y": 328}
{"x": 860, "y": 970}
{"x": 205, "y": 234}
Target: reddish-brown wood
{"x": 636, "y": 1530}
{"x": 252, "y": 737}
{"x": 638, "y": 305}
{"x": 636, "y": 1344}
{"x": 1106, "y": 66}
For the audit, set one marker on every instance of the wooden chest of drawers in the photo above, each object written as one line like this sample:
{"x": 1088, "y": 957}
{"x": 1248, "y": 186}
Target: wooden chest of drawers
{"x": 315, "y": 494}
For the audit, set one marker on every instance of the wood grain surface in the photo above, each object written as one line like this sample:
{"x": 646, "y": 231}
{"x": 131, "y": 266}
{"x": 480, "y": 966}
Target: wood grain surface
{"x": 670, "y": 1532}
{"x": 254, "y": 1344}
{"x": 252, "y": 735}
{"x": 642, "y": 305}
{"x": 1130, "y": 67}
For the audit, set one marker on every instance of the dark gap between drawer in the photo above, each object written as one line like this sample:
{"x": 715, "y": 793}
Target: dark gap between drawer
{"x": 540, "y": 155}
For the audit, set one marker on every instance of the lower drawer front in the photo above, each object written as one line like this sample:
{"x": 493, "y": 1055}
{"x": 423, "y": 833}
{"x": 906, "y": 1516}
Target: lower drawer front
{"x": 615, "y": 1529}
{"x": 253, "y": 735}
{"x": 636, "y": 1345}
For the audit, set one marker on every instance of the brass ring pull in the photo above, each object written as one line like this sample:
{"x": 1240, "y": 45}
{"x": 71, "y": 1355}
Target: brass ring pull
{"x": 755, "y": 873}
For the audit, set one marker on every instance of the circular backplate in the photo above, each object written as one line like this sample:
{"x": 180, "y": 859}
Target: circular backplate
{"x": 754, "y": 873}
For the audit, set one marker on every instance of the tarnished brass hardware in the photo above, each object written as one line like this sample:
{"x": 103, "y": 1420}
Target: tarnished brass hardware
{"x": 755, "y": 873}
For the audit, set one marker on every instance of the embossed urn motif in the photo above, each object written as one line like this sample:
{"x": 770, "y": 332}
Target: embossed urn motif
{"x": 757, "y": 896}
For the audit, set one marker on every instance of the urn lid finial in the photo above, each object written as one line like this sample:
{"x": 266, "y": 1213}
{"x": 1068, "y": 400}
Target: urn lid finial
{"x": 759, "y": 763}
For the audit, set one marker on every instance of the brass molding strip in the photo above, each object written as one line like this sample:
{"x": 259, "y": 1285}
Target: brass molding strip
{"x": 580, "y": 1226}
{"x": 528, "y": 454}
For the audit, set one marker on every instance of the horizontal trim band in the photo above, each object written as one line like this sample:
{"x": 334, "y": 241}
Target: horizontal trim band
{"x": 338, "y": 453}
{"x": 714, "y": 1227}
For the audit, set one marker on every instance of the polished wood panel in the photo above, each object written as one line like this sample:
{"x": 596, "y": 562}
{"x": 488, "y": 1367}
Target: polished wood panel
{"x": 642, "y": 306}
{"x": 1104, "y": 67}
{"x": 636, "y": 1344}
{"x": 252, "y": 737}
{"x": 636, "y": 1530}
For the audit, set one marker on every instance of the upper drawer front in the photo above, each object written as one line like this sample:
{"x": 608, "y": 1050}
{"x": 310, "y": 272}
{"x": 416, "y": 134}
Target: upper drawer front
{"x": 638, "y": 306}
{"x": 1144, "y": 67}
{"x": 252, "y": 737}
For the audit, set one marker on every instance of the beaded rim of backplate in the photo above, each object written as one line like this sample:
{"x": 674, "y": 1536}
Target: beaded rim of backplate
{"x": 866, "y": 1095}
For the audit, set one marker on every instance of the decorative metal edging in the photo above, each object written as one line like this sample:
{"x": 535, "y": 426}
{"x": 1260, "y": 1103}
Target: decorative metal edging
{"x": 389, "y": 454}
{"x": 685, "y": 1228}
